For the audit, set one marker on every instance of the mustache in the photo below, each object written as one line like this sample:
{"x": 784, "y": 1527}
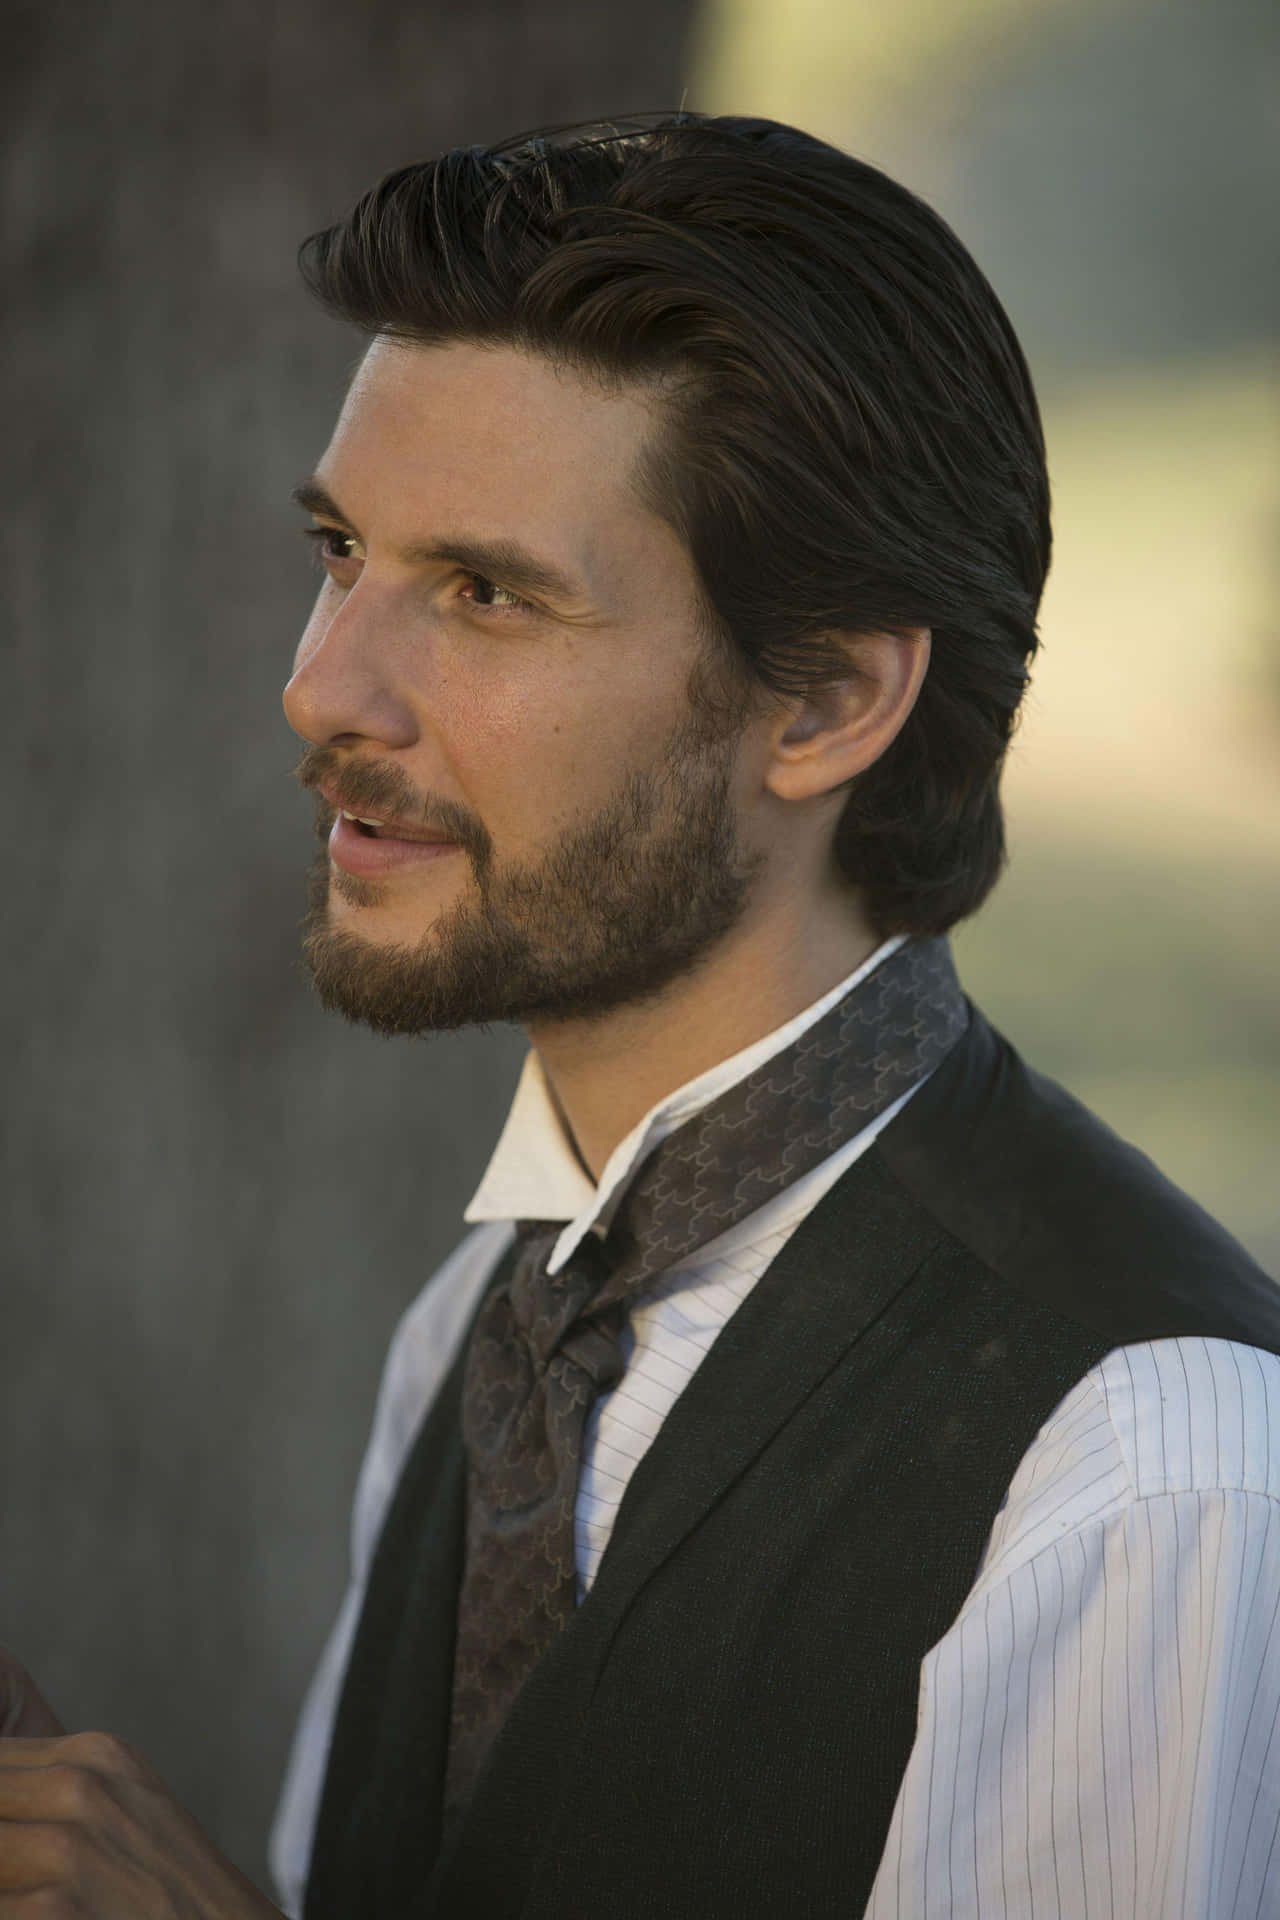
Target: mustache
{"x": 359, "y": 785}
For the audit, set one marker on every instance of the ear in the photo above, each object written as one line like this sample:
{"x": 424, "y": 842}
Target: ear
{"x": 823, "y": 739}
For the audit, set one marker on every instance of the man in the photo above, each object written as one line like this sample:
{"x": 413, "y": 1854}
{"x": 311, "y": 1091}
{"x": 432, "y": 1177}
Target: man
{"x": 834, "y": 1474}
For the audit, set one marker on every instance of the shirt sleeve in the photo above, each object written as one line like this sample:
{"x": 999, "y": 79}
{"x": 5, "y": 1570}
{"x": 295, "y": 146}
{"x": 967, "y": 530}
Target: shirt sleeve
{"x": 1098, "y": 1731}
{"x": 422, "y": 1350}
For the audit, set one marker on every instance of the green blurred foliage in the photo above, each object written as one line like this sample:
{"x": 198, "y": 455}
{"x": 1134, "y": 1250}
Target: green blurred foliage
{"x": 826, "y": 64}
{"x": 1112, "y": 165}
{"x": 1145, "y": 980}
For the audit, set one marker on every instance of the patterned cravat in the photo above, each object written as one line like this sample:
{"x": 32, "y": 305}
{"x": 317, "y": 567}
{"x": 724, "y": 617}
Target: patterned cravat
{"x": 544, "y": 1346}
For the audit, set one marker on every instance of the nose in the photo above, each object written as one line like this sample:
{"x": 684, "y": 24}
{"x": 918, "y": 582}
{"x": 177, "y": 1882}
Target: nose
{"x": 346, "y": 683}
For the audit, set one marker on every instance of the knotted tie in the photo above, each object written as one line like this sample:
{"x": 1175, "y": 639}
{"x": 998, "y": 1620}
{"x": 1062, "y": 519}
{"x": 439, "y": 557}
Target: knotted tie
{"x": 544, "y": 1346}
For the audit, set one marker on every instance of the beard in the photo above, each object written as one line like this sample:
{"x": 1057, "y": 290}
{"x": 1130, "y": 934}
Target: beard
{"x": 617, "y": 909}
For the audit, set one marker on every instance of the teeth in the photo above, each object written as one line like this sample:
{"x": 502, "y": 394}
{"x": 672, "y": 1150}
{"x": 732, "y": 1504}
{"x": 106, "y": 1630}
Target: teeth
{"x": 360, "y": 817}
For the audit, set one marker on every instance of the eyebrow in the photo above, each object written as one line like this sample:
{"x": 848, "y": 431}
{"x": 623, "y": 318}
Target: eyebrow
{"x": 502, "y": 560}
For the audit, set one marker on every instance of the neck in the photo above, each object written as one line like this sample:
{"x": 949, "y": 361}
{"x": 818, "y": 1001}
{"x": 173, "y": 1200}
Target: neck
{"x": 606, "y": 1073}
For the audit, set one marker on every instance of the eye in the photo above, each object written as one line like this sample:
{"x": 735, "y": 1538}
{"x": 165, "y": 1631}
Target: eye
{"x": 328, "y": 546}
{"x": 321, "y": 539}
{"x": 509, "y": 602}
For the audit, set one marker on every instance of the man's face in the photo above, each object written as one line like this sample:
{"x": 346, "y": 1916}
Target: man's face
{"x": 543, "y": 724}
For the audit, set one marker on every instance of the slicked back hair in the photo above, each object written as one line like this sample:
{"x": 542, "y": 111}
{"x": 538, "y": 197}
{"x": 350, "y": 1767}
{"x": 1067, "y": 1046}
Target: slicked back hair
{"x": 850, "y": 441}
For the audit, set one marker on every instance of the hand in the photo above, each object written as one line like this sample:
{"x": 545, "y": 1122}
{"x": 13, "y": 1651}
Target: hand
{"x": 88, "y": 1830}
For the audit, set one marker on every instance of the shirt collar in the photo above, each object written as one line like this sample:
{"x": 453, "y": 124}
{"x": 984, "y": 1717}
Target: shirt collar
{"x": 535, "y": 1173}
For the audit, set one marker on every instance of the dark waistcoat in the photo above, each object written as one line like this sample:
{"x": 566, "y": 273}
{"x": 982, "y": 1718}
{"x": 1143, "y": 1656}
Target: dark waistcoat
{"x": 722, "y": 1728}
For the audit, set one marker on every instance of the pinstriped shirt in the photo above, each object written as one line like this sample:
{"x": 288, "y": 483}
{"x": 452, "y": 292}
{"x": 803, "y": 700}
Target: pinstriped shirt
{"x": 1097, "y": 1732}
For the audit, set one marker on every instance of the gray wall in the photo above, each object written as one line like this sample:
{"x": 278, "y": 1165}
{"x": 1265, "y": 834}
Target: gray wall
{"x": 219, "y": 1200}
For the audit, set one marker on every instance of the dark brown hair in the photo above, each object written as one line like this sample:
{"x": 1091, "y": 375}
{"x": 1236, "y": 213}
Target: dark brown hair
{"x": 851, "y": 438}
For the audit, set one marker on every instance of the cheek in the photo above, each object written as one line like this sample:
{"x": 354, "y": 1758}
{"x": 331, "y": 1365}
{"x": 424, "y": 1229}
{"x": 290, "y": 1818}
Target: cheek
{"x": 559, "y": 727}
{"x": 516, "y": 700}
{"x": 489, "y": 721}
{"x": 531, "y": 759}
{"x": 494, "y": 745}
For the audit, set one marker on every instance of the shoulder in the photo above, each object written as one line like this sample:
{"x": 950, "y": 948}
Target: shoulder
{"x": 1194, "y": 1414}
{"x": 1158, "y": 1423}
{"x": 1072, "y": 1217}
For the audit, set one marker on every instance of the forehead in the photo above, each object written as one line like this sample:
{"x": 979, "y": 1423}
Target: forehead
{"x": 490, "y": 437}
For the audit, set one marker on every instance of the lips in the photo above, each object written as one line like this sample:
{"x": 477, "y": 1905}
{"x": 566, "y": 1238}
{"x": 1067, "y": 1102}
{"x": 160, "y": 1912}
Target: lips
{"x": 371, "y": 825}
{"x": 368, "y": 821}
{"x": 377, "y": 854}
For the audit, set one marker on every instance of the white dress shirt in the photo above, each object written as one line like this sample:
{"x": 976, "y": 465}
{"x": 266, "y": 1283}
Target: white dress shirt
{"x": 1097, "y": 1732}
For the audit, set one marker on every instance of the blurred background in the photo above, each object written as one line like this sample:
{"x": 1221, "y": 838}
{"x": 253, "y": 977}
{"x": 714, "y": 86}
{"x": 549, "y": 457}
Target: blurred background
{"x": 221, "y": 1200}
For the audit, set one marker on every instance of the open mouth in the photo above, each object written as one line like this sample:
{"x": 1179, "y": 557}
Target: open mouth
{"x": 371, "y": 829}
{"x": 390, "y": 830}
{"x": 398, "y": 848}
